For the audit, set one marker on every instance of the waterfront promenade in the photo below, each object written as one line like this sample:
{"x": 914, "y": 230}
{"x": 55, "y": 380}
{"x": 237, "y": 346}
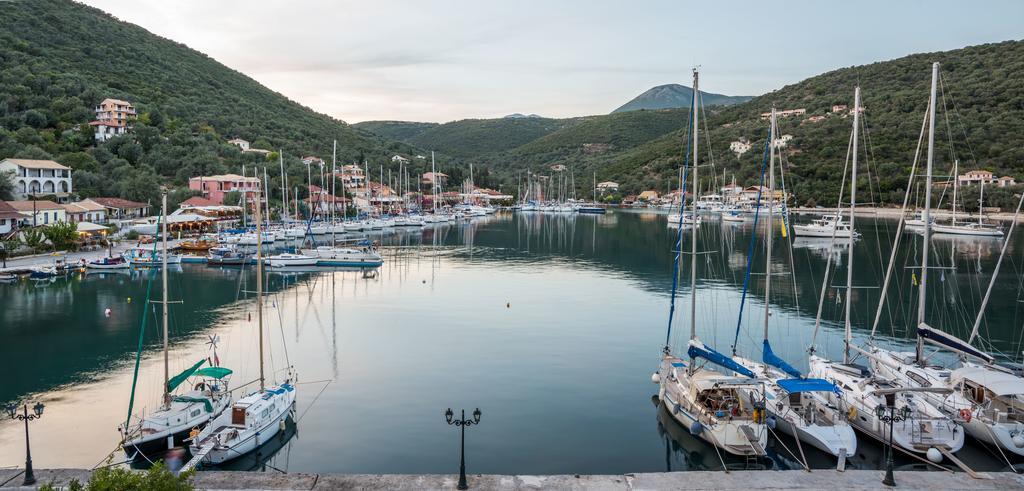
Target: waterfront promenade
{"x": 695, "y": 480}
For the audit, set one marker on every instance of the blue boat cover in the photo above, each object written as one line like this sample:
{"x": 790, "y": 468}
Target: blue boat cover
{"x": 769, "y": 357}
{"x": 718, "y": 359}
{"x": 793, "y": 385}
{"x": 952, "y": 342}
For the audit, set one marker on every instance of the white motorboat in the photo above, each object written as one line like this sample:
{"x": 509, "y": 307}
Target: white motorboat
{"x": 116, "y": 262}
{"x": 345, "y": 256}
{"x": 145, "y": 256}
{"x": 826, "y": 226}
{"x": 288, "y": 259}
{"x": 733, "y": 216}
{"x": 689, "y": 219}
{"x": 974, "y": 229}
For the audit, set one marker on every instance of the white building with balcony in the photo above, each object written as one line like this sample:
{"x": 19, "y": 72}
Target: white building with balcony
{"x": 38, "y": 178}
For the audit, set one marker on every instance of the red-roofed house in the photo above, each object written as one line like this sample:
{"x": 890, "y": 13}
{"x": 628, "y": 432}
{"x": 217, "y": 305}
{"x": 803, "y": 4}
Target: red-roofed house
{"x": 122, "y": 209}
{"x": 198, "y": 202}
{"x": 39, "y": 212}
{"x": 9, "y": 217}
{"x": 215, "y": 187}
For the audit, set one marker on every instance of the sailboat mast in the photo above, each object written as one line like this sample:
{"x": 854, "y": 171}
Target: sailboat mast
{"x": 693, "y": 225}
{"x": 922, "y": 293}
{"x": 259, "y": 282}
{"x": 981, "y": 199}
{"x": 771, "y": 226}
{"x": 433, "y": 182}
{"x": 956, "y": 187}
{"x": 284, "y": 186}
{"x": 849, "y": 242}
{"x": 163, "y": 275}
{"x": 334, "y": 186}
{"x": 266, "y": 185}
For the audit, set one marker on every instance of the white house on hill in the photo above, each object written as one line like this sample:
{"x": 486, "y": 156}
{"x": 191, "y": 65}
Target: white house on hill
{"x": 38, "y": 178}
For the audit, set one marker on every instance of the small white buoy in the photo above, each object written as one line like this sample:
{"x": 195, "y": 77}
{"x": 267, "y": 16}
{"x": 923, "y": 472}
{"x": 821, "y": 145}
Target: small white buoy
{"x": 282, "y": 425}
{"x": 656, "y": 378}
{"x": 1018, "y": 441}
{"x": 107, "y": 312}
{"x": 934, "y": 455}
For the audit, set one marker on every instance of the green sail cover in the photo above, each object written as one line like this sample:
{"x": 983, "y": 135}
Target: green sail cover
{"x": 205, "y": 401}
{"x": 214, "y": 372}
{"x": 181, "y": 377}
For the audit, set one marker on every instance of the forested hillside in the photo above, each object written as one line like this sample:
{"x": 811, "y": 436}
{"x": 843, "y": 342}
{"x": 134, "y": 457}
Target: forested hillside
{"x": 58, "y": 59}
{"x": 981, "y": 112}
{"x": 475, "y": 137}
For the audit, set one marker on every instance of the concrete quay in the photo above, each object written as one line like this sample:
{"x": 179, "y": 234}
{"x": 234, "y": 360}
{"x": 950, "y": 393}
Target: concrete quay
{"x": 696, "y": 480}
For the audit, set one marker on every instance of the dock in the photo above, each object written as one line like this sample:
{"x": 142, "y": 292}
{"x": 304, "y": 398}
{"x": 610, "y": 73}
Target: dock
{"x": 736, "y": 480}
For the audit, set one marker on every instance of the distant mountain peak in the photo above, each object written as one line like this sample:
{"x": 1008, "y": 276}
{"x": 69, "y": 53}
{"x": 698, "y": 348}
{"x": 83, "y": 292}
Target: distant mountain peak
{"x": 671, "y": 96}
{"x": 521, "y": 115}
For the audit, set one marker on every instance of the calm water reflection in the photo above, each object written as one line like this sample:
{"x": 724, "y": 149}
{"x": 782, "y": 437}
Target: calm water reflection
{"x": 550, "y": 324}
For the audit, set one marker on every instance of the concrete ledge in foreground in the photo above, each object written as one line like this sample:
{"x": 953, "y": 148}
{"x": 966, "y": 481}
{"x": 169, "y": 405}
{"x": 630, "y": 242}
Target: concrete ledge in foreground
{"x": 736, "y": 480}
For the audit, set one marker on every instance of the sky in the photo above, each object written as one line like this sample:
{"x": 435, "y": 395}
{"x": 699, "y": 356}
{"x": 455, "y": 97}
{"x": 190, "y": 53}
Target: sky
{"x": 444, "y": 60}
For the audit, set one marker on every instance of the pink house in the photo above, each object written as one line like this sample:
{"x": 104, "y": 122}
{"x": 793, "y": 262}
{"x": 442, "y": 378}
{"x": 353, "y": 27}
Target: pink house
{"x": 214, "y": 188}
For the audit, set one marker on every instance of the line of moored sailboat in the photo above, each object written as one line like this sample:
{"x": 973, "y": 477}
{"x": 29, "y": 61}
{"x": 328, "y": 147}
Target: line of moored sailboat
{"x": 733, "y": 401}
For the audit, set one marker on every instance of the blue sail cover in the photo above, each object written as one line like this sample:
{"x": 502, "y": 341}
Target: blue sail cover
{"x": 949, "y": 341}
{"x": 719, "y": 359}
{"x": 807, "y": 385}
{"x": 769, "y": 358}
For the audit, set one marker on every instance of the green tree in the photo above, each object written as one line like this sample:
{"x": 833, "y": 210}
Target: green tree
{"x": 62, "y": 235}
{"x": 6, "y": 185}
{"x": 34, "y": 239}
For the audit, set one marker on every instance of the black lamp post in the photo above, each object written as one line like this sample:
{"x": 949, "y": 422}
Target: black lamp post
{"x": 462, "y": 423}
{"x": 12, "y": 411}
{"x": 891, "y": 419}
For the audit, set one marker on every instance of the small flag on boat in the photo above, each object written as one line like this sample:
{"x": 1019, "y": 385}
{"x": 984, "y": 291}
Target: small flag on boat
{"x": 913, "y": 278}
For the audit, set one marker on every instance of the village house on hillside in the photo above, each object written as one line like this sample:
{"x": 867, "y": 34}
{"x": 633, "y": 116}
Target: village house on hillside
{"x": 38, "y": 178}
{"x": 648, "y": 196}
{"x": 784, "y": 113}
{"x": 782, "y": 141}
{"x": 9, "y": 218}
{"x": 352, "y": 176}
{"x": 312, "y": 161}
{"x": 215, "y": 187}
{"x": 607, "y": 187}
{"x": 244, "y": 145}
{"x": 398, "y": 159}
{"x": 113, "y": 117}
{"x": 973, "y": 177}
{"x": 740, "y": 147}
{"x": 122, "y": 209}
{"x": 86, "y": 211}
{"x": 432, "y": 178}
{"x": 38, "y": 212}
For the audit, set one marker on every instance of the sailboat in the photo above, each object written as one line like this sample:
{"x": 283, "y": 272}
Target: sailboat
{"x": 979, "y": 228}
{"x": 682, "y": 218}
{"x": 178, "y": 414}
{"x": 726, "y": 411}
{"x": 798, "y": 405}
{"x": 985, "y": 398}
{"x": 254, "y": 418}
{"x": 925, "y": 430}
{"x": 592, "y": 207}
